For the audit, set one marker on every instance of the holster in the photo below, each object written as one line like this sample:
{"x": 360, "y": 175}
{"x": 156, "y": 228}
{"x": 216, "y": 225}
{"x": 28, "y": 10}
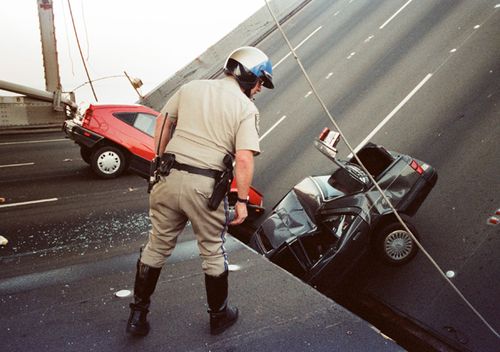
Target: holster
{"x": 160, "y": 167}
{"x": 222, "y": 183}
{"x": 153, "y": 173}
{"x": 166, "y": 163}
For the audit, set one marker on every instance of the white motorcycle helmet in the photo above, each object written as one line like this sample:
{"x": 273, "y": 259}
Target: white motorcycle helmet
{"x": 247, "y": 65}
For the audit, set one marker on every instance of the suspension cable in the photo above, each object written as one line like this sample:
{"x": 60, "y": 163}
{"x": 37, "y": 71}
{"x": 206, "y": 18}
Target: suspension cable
{"x": 433, "y": 262}
{"x": 80, "y": 49}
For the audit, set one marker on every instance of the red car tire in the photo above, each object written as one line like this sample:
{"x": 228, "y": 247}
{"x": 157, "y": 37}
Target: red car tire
{"x": 86, "y": 154}
{"x": 108, "y": 161}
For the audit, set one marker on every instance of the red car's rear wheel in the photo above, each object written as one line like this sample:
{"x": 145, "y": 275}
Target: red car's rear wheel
{"x": 108, "y": 161}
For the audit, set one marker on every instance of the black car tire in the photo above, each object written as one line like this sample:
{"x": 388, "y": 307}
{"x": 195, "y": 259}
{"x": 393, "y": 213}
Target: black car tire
{"x": 86, "y": 154}
{"x": 394, "y": 245}
{"x": 108, "y": 161}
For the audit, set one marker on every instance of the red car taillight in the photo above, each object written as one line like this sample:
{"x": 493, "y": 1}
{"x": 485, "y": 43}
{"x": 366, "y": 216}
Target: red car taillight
{"x": 415, "y": 166}
{"x": 87, "y": 117}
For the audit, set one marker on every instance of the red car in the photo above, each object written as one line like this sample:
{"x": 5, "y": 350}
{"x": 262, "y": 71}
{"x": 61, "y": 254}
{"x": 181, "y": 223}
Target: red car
{"x": 114, "y": 138}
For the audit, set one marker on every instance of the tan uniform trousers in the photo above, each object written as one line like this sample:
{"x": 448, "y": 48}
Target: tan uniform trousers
{"x": 174, "y": 200}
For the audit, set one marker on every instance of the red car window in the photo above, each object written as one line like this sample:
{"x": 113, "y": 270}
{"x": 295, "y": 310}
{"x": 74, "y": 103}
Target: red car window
{"x": 145, "y": 123}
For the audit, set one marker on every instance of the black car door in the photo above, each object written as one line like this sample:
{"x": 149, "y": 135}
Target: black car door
{"x": 352, "y": 242}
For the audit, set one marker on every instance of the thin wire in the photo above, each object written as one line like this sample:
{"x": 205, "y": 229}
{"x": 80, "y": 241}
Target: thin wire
{"x": 67, "y": 42}
{"x": 80, "y": 49}
{"x": 373, "y": 180}
{"x": 86, "y": 32}
{"x": 98, "y": 79}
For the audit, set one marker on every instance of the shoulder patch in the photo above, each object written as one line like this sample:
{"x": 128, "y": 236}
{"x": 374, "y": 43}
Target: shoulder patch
{"x": 257, "y": 120}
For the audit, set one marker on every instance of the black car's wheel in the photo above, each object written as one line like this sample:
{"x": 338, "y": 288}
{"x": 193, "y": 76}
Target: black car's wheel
{"x": 108, "y": 161}
{"x": 394, "y": 245}
{"x": 86, "y": 154}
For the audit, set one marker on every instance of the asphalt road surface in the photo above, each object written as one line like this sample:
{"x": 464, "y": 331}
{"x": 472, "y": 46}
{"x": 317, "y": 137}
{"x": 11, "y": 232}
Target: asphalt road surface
{"x": 419, "y": 77}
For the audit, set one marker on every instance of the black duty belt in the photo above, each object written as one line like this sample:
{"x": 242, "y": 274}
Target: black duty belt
{"x": 215, "y": 174}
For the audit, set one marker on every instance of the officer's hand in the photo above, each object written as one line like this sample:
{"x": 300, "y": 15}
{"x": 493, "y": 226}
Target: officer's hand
{"x": 241, "y": 213}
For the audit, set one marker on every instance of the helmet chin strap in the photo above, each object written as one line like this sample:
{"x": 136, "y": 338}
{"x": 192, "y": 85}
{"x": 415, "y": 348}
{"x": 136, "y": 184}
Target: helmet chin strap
{"x": 248, "y": 92}
{"x": 247, "y": 88}
{"x": 244, "y": 86}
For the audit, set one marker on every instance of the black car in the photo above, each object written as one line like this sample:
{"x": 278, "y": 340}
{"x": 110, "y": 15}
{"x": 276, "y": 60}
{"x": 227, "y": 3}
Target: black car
{"x": 326, "y": 224}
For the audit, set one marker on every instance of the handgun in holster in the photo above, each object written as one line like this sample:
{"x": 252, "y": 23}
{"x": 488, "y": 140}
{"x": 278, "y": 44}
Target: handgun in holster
{"x": 222, "y": 183}
{"x": 160, "y": 166}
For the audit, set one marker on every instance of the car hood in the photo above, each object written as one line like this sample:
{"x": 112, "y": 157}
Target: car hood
{"x": 295, "y": 215}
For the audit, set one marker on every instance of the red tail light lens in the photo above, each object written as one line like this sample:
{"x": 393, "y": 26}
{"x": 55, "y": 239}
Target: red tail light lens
{"x": 87, "y": 117}
{"x": 324, "y": 133}
{"x": 415, "y": 166}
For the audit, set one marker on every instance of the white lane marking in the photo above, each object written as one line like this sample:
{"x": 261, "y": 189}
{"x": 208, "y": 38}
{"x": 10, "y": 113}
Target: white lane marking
{"x": 308, "y": 94}
{"x": 272, "y": 128}
{"x": 14, "y": 165}
{"x": 392, "y": 113}
{"x": 497, "y": 6}
{"x": 27, "y": 203}
{"x": 40, "y": 141}
{"x": 392, "y": 17}
{"x": 336, "y": 13}
{"x": 298, "y": 46}
{"x": 453, "y": 50}
{"x": 477, "y": 26}
{"x": 329, "y": 75}
{"x": 351, "y": 55}
{"x": 369, "y": 38}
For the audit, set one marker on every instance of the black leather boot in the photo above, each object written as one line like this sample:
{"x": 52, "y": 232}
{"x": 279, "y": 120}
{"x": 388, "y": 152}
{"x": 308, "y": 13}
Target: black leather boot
{"x": 222, "y": 316}
{"x": 146, "y": 278}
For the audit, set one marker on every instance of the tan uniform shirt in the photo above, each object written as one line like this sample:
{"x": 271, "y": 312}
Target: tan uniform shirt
{"x": 214, "y": 118}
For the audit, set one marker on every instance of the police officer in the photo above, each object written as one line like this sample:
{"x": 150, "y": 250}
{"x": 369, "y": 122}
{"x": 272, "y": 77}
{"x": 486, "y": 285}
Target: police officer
{"x": 212, "y": 118}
